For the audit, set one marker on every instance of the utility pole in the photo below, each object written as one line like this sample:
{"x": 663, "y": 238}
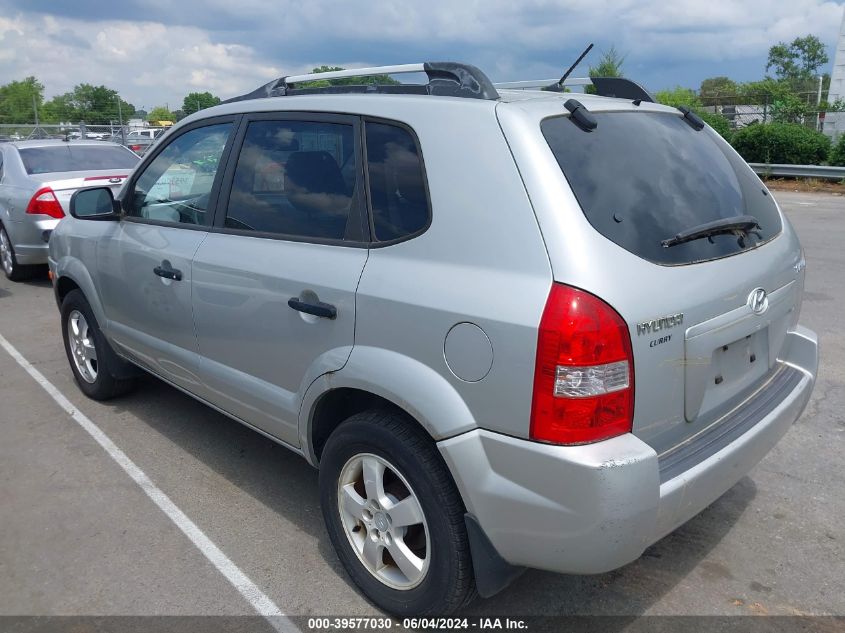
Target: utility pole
{"x": 120, "y": 121}
{"x": 37, "y": 127}
{"x": 819, "y": 106}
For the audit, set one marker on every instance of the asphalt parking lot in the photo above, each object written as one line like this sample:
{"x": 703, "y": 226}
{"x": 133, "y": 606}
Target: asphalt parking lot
{"x": 79, "y": 537}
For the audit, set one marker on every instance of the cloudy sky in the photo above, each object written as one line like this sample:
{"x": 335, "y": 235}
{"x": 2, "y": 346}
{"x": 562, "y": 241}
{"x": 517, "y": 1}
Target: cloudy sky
{"x": 155, "y": 51}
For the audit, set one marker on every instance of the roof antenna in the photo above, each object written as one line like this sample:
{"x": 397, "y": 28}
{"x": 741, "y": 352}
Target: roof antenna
{"x": 571, "y": 68}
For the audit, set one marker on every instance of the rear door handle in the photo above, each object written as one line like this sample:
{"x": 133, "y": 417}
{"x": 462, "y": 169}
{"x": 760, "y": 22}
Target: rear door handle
{"x": 167, "y": 272}
{"x": 317, "y": 308}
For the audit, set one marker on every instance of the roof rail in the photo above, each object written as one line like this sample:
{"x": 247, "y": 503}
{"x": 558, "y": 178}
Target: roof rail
{"x": 618, "y": 87}
{"x": 447, "y": 79}
{"x": 542, "y": 83}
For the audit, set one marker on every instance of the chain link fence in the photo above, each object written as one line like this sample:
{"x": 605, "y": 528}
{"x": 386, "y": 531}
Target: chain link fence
{"x": 136, "y": 137}
{"x": 742, "y": 110}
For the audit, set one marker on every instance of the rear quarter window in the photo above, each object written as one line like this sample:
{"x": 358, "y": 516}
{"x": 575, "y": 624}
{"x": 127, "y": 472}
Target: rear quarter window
{"x": 398, "y": 194}
{"x": 642, "y": 177}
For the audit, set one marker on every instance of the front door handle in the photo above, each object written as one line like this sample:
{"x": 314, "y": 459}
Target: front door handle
{"x": 168, "y": 272}
{"x": 317, "y": 308}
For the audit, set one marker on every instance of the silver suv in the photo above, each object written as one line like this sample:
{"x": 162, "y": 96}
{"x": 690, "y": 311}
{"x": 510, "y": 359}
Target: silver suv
{"x": 512, "y": 328}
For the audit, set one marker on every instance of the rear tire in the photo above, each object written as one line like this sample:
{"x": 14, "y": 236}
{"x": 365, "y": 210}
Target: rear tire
{"x": 414, "y": 516}
{"x": 92, "y": 360}
{"x": 9, "y": 262}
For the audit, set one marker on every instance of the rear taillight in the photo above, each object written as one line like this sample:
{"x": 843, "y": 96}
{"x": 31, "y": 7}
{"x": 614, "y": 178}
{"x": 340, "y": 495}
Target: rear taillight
{"x": 584, "y": 377}
{"x": 44, "y": 202}
{"x": 135, "y": 148}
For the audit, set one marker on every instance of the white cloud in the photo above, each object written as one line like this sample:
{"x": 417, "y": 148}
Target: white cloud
{"x": 149, "y": 63}
{"x": 246, "y": 43}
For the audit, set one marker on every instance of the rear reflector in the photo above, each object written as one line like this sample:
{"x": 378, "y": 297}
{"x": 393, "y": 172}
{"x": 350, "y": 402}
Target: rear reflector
{"x": 44, "y": 202}
{"x": 584, "y": 375}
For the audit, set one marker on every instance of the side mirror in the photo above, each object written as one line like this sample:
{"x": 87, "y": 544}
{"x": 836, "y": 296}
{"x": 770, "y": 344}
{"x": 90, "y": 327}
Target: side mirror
{"x": 94, "y": 203}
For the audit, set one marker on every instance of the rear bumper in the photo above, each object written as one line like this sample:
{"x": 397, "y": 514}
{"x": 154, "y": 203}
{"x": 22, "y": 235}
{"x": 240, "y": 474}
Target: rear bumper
{"x": 593, "y": 508}
{"x": 28, "y": 239}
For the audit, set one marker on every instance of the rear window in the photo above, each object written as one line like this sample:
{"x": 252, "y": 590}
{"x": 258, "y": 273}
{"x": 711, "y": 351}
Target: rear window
{"x": 641, "y": 178}
{"x": 69, "y": 157}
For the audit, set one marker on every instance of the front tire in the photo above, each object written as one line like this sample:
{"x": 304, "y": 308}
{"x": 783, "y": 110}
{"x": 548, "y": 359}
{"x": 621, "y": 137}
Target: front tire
{"x": 394, "y": 515}
{"x": 91, "y": 358}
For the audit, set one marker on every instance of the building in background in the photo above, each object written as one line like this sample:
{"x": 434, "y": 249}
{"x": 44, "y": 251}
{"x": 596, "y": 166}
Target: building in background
{"x": 834, "y": 123}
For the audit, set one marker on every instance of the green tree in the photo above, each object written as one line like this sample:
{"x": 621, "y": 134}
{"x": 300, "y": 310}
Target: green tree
{"x": 719, "y": 123}
{"x": 837, "y": 153}
{"x": 160, "y": 113}
{"x": 799, "y": 60}
{"x": 346, "y": 81}
{"x": 767, "y": 90}
{"x": 678, "y": 97}
{"x": 95, "y": 105}
{"x": 610, "y": 65}
{"x": 19, "y": 99}
{"x": 196, "y": 101}
{"x": 686, "y": 97}
{"x": 717, "y": 90}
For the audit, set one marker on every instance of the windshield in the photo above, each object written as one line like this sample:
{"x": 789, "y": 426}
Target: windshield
{"x": 69, "y": 157}
{"x": 642, "y": 178}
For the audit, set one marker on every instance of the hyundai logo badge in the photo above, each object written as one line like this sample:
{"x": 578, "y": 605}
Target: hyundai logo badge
{"x": 758, "y": 301}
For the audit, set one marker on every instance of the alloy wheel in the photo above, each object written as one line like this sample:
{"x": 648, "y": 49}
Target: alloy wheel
{"x": 384, "y": 521}
{"x": 6, "y": 253}
{"x": 82, "y": 348}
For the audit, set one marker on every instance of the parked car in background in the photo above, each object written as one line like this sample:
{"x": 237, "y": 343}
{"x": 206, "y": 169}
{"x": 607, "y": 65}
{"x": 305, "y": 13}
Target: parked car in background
{"x": 139, "y": 141}
{"x": 37, "y": 180}
{"x": 91, "y": 136}
{"x": 548, "y": 347}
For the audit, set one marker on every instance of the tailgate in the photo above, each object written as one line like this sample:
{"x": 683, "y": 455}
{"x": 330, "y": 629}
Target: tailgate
{"x": 704, "y": 344}
{"x": 707, "y": 314}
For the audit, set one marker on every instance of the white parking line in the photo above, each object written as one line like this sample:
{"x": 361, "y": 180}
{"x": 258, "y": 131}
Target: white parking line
{"x": 238, "y": 579}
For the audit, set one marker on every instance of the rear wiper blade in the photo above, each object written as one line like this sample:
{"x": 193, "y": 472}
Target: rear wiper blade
{"x": 736, "y": 224}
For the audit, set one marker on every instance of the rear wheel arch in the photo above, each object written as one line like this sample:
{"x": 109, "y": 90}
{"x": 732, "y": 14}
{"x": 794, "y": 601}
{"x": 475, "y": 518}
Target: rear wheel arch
{"x": 335, "y": 406}
{"x": 379, "y": 377}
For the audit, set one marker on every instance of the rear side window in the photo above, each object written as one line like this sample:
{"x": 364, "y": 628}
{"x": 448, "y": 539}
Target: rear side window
{"x": 397, "y": 182}
{"x": 641, "y": 178}
{"x": 70, "y": 157}
{"x": 296, "y": 178}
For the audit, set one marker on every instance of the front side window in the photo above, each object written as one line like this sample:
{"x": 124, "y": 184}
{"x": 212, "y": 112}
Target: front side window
{"x": 176, "y": 185}
{"x": 295, "y": 178}
{"x": 397, "y": 184}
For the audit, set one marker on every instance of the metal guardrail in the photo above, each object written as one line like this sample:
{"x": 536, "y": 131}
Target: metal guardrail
{"x": 822, "y": 172}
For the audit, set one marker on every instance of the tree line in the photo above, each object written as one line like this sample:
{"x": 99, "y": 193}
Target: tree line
{"x": 788, "y": 89}
{"x": 98, "y": 105}
{"x": 93, "y": 105}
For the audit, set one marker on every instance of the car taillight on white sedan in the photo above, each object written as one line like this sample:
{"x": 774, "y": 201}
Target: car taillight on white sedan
{"x": 584, "y": 375}
{"x": 44, "y": 202}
